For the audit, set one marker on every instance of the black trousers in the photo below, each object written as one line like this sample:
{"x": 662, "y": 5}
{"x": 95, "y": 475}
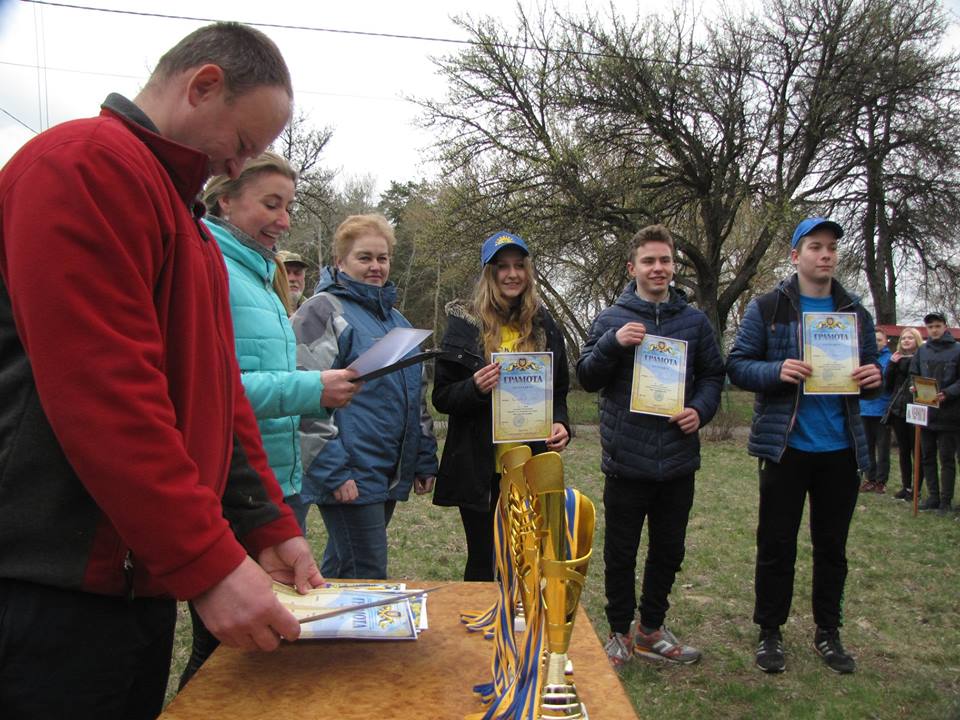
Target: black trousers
{"x": 478, "y": 528}
{"x": 878, "y": 445}
{"x": 904, "y": 433}
{"x": 831, "y": 481}
{"x": 666, "y": 508}
{"x": 68, "y": 654}
{"x": 944, "y": 444}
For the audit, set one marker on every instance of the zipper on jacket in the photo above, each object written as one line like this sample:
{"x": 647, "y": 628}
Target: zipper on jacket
{"x": 796, "y": 395}
{"x": 128, "y": 574}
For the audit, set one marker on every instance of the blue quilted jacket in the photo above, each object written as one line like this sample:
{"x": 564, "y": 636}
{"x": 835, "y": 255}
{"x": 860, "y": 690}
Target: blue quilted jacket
{"x": 647, "y": 447}
{"x": 384, "y": 437}
{"x": 764, "y": 341}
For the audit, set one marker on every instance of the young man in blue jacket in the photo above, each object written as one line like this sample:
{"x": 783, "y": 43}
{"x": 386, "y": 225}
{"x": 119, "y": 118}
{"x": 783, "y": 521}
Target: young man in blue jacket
{"x": 872, "y": 411}
{"x": 807, "y": 444}
{"x": 649, "y": 461}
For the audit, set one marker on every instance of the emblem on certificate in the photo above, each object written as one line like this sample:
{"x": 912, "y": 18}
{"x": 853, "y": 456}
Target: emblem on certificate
{"x": 659, "y": 376}
{"x": 928, "y": 391}
{"x": 831, "y": 344}
{"x": 523, "y": 397}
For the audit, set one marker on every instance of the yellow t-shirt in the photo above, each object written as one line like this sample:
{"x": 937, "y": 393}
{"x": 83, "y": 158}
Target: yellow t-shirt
{"x": 509, "y": 337}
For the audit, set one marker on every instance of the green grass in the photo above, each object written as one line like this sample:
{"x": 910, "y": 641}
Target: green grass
{"x": 902, "y": 602}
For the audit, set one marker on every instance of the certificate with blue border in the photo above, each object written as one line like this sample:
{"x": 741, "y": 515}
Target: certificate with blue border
{"x": 523, "y": 397}
{"x": 831, "y": 345}
{"x": 659, "y": 376}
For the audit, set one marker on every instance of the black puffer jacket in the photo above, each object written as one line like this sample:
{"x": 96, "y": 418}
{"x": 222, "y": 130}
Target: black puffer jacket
{"x": 643, "y": 446}
{"x": 940, "y": 359}
{"x": 467, "y": 465}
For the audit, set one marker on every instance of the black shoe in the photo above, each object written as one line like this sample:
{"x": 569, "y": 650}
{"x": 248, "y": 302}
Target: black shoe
{"x": 770, "y": 656}
{"x": 930, "y": 504}
{"x": 945, "y": 508}
{"x": 828, "y": 645}
{"x": 904, "y": 494}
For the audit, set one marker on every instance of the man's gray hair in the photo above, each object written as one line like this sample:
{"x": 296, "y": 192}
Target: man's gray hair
{"x": 247, "y": 57}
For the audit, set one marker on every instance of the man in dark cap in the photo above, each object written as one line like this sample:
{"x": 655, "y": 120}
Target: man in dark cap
{"x": 938, "y": 358}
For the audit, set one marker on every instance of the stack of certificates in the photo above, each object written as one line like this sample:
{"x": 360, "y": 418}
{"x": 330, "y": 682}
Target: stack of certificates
{"x": 354, "y": 611}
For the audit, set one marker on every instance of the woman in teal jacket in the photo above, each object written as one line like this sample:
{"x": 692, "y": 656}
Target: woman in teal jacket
{"x": 246, "y": 216}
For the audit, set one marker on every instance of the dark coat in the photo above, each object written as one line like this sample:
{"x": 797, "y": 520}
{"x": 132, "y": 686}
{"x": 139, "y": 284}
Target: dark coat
{"x": 939, "y": 359}
{"x": 640, "y": 446}
{"x": 467, "y": 465}
{"x": 896, "y": 383}
{"x": 754, "y": 363}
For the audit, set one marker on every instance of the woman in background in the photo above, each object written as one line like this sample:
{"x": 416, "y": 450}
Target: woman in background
{"x": 505, "y": 315}
{"x": 367, "y": 456}
{"x": 897, "y": 383}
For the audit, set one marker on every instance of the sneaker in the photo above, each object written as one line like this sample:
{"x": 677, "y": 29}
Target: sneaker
{"x": 879, "y": 488}
{"x": 903, "y": 494}
{"x": 662, "y": 645}
{"x": 867, "y": 486}
{"x": 770, "y": 657}
{"x": 618, "y": 649}
{"x": 828, "y": 645}
{"x": 930, "y": 504}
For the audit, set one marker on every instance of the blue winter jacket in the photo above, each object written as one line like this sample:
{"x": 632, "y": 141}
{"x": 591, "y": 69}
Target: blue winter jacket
{"x": 877, "y": 406}
{"x": 267, "y": 353}
{"x": 768, "y": 337}
{"x": 384, "y": 437}
{"x": 636, "y": 445}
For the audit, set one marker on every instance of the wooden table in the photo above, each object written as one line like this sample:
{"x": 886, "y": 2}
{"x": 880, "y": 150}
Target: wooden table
{"x": 430, "y": 678}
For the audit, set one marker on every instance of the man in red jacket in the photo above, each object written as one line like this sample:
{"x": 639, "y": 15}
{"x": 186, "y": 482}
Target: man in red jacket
{"x": 131, "y": 469}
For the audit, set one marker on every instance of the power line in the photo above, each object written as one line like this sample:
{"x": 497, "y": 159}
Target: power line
{"x": 10, "y": 114}
{"x": 426, "y": 38}
{"x": 299, "y": 91}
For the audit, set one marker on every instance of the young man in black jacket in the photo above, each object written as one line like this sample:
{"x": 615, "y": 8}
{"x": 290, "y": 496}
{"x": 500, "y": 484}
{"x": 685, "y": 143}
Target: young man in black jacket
{"x": 938, "y": 358}
{"x": 649, "y": 461}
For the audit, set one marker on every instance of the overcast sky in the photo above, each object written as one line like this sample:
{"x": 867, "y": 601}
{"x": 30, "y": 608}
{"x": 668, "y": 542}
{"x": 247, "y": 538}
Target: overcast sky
{"x": 354, "y": 84}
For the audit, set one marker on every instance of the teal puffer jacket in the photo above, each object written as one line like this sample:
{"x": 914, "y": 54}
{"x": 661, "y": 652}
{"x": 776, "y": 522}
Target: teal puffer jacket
{"x": 267, "y": 354}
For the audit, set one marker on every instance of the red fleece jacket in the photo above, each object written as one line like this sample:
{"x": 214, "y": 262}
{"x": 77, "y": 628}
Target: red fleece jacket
{"x": 114, "y": 315}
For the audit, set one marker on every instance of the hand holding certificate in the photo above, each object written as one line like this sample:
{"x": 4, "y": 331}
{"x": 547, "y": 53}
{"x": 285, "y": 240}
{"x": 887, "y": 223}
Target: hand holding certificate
{"x": 831, "y": 345}
{"x": 927, "y": 391}
{"x": 523, "y": 397}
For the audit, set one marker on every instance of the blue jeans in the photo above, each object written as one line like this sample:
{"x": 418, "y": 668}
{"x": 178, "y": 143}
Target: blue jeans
{"x": 356, "y": 538}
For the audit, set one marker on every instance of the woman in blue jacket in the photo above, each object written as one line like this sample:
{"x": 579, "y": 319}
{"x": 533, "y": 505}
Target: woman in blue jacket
{"x": 367, "y": 456}
{"x": 246, "y": 216}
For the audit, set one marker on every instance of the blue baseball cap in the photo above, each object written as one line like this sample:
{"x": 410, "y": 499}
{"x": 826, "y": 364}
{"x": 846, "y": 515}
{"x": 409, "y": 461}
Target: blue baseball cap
{"x": 810, "y": 224}
{"x": 497, "y": 242}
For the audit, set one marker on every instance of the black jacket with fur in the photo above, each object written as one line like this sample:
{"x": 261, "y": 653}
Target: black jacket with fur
{"x": 467, "y": 475}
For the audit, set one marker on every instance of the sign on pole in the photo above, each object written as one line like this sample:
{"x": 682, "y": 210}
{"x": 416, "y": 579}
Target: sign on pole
{"x": 917, "y": 416}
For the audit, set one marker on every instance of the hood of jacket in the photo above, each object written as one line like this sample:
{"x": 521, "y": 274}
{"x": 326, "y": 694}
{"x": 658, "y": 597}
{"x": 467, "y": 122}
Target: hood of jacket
{"x": 240, "y": 247}
{"x": 378, "y": 300}
{"x": 675, "y": 303}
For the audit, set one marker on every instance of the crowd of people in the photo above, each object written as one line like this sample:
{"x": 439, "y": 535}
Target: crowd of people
{"x": 164, "y": 438}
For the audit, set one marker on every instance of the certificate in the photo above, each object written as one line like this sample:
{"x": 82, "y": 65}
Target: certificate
{"x": 928, "y": 391}
{"x": 523, "y": 397}
{"x": 831, "y": 345}
{"x": 659, "y": 376}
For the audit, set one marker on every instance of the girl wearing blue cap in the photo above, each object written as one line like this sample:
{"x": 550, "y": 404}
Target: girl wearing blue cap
{"x": 505, "y": 315}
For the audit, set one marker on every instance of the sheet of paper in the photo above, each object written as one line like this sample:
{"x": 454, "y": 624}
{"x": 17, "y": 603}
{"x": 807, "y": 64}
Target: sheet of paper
{"x": 523, "y": 398}
{"x": 659, "y": 376}
{"x": 831, "y": 345}
{"x": 389, "y": 349}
